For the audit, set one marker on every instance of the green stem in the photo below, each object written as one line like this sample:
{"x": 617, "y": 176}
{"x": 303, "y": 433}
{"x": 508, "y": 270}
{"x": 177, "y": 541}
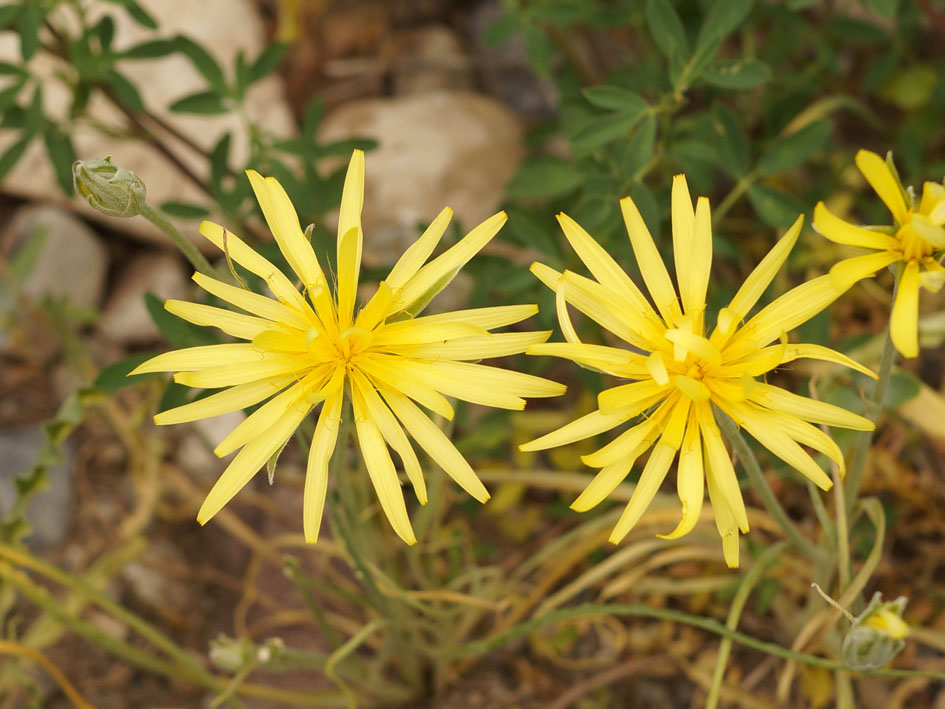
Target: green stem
{"x": 738, "y": 604}
{"x": 640, "y": 610}
{"x": 732, "y": 197}
{"x": 191, "y": 253}
{"x": 873, "y": 407}
{"x": 760, "y": 483}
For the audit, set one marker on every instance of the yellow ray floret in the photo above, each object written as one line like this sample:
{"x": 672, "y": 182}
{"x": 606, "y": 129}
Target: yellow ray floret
{"x": 913, "y": 244}
{"x": 682, "y": 374}
{"x": 309, "y": 348}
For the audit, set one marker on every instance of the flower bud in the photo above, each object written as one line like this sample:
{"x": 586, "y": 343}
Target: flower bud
{"x": 876, "y": 636}
{"x": 110, "y": 189}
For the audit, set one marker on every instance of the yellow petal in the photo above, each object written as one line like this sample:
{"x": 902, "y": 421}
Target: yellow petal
{"x": 651, "y": 265}
{"x": 349, "y": 266}
{"x": 420, "y": 332}
{"x": 791, "y": 352}
{"x": 240, "y": 373}
{"x": 690, "y": 480}
{"x": 932, "y": 203}
{"x": 564, "y": 317}
{"x": 601, "y": 265}
{"x": 316, "y": 473}
{"x": 449, "y": 261}
{"x": 698, "y": 260}
{"x": 482, "y": 384}
{"x": 372, "y": 314}
{"x": 202, "y": 357}
{"x": 233, "y": 399}
{"x": 284, "y": 224}
{"x": 385, "y": 370}
{"x": 392, "y": 432}
{"x": 654, "y": 472}
{"x": 877, "y": 173}
{"x": 436, "y": 444}
{"x": 604, "y": 483}
{"x": 499, "y": 344}
{"x": 684, "y": 224}
{"x": 245, "y": 327}
{"x": 257, "y": 423}
{"x": 931, "y": 232}
{"x": 584, "y": 427}
{"x": 248, "y": 462}
{"x": 804, "y": 433}
{"x": 607, "y": 359}
{"x": 757, "y": 282}
{"x": 807, "y": 409}
{"x": 656, "y": 368}
{"x": 629, "y": 444}
{"x": 720, "y": 473}
{"x": 724, "y": 519}
{"x": 381, "y": 470}
{"x": 842, "y": 232}
{"x": 246, "y": 256}
{"x": 629, "y": 396}
{"x": 486, "y": 318}
{"x": 419, "y": 251}
{"x": 847, "y": 272}
{"x": 904, "y": 321}
{"x": 254, "y": 303}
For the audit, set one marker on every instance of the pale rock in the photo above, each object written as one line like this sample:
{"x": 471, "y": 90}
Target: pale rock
{"x": 429, "y": 58}
{"x": 71, "y": 262}
{"x": 195, "y": 453}
{"x": 437, "y": 149}
{"x": 49, "y": 513}
{"x": 160, "y": 82}
{"x": 125, "y": 318}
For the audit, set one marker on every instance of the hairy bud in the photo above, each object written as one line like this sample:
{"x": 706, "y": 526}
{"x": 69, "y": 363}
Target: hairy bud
{"x": 877, "y": 635}
{"x": 110, "y": 189}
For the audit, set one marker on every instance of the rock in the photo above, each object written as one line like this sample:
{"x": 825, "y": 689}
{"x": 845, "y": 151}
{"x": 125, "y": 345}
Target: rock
{"x": 125, "y": 318}
{"x": 50, "y": 511}
{"x": 160, "y": 82}
{"x": 70, "y": 261}
{"x": 149, "y": 581}
{"x": 438, "y": 149}
{"x": 195, "y": 454}
{"x": 429, "y": 58}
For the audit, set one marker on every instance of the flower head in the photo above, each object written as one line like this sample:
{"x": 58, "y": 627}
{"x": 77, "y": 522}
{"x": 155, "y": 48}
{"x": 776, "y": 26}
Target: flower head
{"x": 310, "y": 347}
{"x": 917, "y": 235}
{"x": 682, "y": 373}
{"x": 877, "y": 635}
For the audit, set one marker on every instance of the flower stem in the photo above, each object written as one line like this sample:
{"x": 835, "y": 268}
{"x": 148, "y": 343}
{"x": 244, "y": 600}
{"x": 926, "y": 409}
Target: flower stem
{"x": 760, "y": 483}
{"x": 873, "y": 407}
{"x": 197, "y": 259}
{"x": 769, "y": 556}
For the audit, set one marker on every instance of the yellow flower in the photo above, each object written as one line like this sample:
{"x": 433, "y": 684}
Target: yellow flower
{"x": 680, "y": 374}
{"x": 307, "y": 348}
{"x": 913, "y": 240}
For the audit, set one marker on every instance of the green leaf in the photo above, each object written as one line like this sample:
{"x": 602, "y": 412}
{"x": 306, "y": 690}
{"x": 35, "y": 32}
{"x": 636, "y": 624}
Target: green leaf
{"x": 649, "y": 208}
{"x": 9, "y": 94}
{"x": 601, "y": 130}
{"x": 203, "y": 103}
{"x": 152, "y": 49}
{"x": 62, "y": 154}
{"x": 902, "y": 387}
{"x": 8, "y": 69}
{"x": 737, "y": 74}
{"x": 615, "y": 98}
{"x": 884, "y": 8}
{"x": 8, "y": 14}
{"x": 773, "y": 206}
{"x": 731, "y": 145}
{"x": 792, "y": 150}
{"x": 30, "y": 19}
{"x": 544, "y": 178}
{"x": 115, "y": 375}
{"x": 105, "y": 31}
{"x": 203, "y": 62}
{"x": 501, "y": 30}
{"x": 140, "y": 15}
{"x": 219, "y": 157}
{"x": 13, "y": 154}
{"x": 720, "y": 21}
{"x": 667, "y": 29}
{"x": 125, "y": 91}
{"x": 179, "y": 333}
{"x": 267, "y": 62}
{"x": 184, "y": 210}
{"x": 539, "y": 49}
{"x": 639, "y": 149}
{"x": 33, "y": 120}
{"x": 314, "y": 113}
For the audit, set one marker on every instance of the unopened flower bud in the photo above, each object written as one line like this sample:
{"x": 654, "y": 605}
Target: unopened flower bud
{"x": 231, "y": 654}
{"x": 877, "y": 635}
{"x": 110, "y": 189}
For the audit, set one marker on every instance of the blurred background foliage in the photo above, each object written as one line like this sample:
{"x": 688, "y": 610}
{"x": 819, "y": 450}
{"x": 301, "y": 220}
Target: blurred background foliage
{"x": 762, "y": 104}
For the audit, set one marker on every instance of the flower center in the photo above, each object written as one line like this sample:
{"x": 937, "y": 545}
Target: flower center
{"x": 353, "y": 342}
{"x": 914, "y": 247}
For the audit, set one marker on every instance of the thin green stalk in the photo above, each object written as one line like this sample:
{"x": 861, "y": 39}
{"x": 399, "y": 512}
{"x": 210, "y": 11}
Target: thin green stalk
{"x": 191, "y": 253}
{"x": 640, "y": 610}
{"x": 872, "y": 409}
{"x": 760, "y": 483}
{"x": 738, "y": 604}
{"x": 732, "y": 197}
